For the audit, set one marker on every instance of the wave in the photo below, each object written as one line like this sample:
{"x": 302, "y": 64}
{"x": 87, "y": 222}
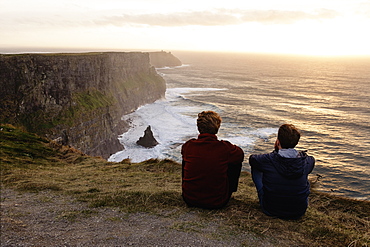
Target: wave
{"x": 173, "y": 67}
{"x": 173, "y": 122}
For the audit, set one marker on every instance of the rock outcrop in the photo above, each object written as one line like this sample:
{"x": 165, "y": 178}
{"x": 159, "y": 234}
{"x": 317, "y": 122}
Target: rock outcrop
{"x": 162, "y": 59}
{"x": 78, "y": 99}
{"x": 148, "y": 139}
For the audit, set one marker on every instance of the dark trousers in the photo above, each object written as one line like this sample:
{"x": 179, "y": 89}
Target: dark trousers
{"x": 233, "y": 174}
{"x": 257, "y": 179}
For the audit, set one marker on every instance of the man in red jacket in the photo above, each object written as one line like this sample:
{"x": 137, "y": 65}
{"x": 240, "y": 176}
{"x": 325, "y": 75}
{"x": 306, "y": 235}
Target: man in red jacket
{"x": 210, "y": 168}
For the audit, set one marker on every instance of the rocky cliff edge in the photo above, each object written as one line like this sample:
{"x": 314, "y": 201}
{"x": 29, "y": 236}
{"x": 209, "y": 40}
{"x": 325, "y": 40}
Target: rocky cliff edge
{"x": 162, "y": 59}
{"x": 77, "y": 99}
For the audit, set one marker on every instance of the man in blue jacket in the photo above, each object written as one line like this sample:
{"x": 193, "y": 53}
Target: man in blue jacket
{"x": 281, "y": 177}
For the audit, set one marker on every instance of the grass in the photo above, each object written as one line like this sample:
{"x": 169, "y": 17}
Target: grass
{"x": 30, "y": 163}
{"x": 87, "y": 104}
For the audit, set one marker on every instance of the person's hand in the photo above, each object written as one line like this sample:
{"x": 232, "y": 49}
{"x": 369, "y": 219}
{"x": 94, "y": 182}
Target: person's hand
{"x": 277, "y": 145}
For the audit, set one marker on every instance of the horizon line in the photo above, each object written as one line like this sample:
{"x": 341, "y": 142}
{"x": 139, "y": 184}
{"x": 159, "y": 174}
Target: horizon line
{"x": 26, "y": 50}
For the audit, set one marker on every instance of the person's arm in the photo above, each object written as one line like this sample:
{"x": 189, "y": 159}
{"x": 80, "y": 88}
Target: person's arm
{"x": 254, "y": 161}
{"x": 311, "y": 164}
{"x": 182, "y": 170}
{"x": 236, "y": 154}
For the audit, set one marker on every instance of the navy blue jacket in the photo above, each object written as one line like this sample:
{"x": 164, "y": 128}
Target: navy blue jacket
{"x": 285, "y": 183}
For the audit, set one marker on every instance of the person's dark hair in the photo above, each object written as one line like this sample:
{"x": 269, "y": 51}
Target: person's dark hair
{"x": 288, "y": 136}
{"x": 208, "y": 122}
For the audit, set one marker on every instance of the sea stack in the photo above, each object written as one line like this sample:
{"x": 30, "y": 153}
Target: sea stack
{"x": 148, "y": 139}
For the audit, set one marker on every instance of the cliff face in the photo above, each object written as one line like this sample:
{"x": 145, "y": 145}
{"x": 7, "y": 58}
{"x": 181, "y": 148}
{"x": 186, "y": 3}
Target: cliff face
{"x": 162, "y": 59}
{"x": 78, "y": 99}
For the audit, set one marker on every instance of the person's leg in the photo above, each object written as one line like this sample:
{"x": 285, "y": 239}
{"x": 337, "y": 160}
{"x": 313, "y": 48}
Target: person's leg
{"x": 233, "y": 174}
{"x": 257, "y": 179}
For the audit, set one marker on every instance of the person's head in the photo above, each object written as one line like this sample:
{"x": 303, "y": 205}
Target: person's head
{"x": 288, "y": 136}
{"x": 208, "y": 122}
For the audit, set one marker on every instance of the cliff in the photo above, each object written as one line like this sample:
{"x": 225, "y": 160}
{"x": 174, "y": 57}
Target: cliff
{"x": 162, "y": 59}
{"x": 78, "y": 99}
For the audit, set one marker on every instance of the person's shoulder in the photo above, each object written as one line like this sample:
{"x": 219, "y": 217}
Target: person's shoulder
{"x": 273, "y": 153}
{"x": 225, "y": 142}
{"x": 190, "y": 141}
{"x": 187, "y": 145}
{"x": 262, "y": 156}
{"x": 261, "y": 160}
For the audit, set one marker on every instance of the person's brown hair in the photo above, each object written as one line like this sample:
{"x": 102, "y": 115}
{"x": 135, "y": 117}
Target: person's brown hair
{"x": 208, "y": 122}
{"x": 288, "y": 136}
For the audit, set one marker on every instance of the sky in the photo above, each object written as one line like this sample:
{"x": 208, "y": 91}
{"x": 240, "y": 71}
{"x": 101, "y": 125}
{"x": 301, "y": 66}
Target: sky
{"x": 306, "y": 27}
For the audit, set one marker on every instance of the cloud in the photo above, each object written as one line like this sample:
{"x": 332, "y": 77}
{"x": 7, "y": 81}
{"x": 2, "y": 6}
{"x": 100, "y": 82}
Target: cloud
{"x": 216, "y": 17}
{"x": 364, "y": 9}
{"x": 286, "y": 17}
{"x": 219, "y": 17}
{"x": 201, "y": 18}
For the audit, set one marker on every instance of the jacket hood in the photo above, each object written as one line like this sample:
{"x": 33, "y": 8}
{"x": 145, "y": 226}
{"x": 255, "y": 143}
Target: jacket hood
{"x": 291, "y": 167}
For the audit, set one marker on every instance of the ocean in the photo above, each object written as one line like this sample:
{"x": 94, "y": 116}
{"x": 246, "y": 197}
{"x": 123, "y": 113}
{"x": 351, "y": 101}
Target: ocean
{"x": 328, "y": 99}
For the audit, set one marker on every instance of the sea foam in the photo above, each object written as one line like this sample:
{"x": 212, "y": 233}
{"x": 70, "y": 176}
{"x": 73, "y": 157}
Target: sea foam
{"x": 173, "y": 122}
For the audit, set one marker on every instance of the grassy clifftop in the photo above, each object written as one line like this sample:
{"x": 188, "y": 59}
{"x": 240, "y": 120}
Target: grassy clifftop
{"x": 32, "y": 164}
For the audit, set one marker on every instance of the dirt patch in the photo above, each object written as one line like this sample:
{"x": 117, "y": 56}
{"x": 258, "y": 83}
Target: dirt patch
{"x": 50, "y": 219}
